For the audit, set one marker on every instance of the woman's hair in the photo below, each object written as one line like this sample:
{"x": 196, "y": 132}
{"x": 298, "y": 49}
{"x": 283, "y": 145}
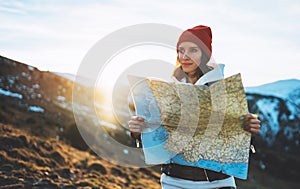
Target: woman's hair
{"x": 202, "y": 69}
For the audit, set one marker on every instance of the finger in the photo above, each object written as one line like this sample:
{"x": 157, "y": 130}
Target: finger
{"x": 140, "y": 119}
{"x": 255, "y": 126}
{"x": 254, "y": 131}
{"x": 249, "y": 116}
{"x": 254, "y": 122}
{"x": 137, "y": 123}
{"x": 135, "y": 130}
{"x": 137, "y": 118}
{"x": 134, "y": 122}
{"x": 134, "y": 117}
{"x": 253, "y": 116}
{"x": 251, "y": 121}
{"x": 134, "y": 127}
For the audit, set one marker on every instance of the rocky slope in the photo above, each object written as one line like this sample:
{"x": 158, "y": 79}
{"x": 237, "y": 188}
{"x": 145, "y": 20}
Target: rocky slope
{"x": 34, "y": 162}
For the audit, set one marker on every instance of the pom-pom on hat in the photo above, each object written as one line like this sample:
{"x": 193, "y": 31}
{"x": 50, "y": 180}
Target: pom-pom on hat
{"x": 200, "y": 35}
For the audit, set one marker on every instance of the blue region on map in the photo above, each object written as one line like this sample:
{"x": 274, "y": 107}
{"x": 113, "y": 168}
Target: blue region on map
{"x": 156, "y": 153}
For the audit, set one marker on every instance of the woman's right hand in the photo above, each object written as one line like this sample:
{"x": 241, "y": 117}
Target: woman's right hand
{"x": 136, "y": 124}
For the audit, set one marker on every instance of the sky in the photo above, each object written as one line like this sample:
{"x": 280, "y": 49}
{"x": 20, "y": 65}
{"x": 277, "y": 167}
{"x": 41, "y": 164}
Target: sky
{"x": 259, "y": 39}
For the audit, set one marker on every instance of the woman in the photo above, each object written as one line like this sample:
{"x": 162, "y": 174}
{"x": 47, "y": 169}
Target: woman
{"x": 193, "y": 53}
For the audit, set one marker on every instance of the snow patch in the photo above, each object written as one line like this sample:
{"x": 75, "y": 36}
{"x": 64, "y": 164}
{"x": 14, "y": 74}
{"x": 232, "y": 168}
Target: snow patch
{"x": 262, "y": 165}
{"x": 11, "y": 94}
{"x": 11, "y": 80}
{"x": 61, "y": 98}
{"x": 125, "y": 151}
{"x": 30, "y": 68}
{"x": 36, "y": 86}
{"x": 288, "y": 132}
{"x": 24, "y": 74}
{"x": 36, "y": 109}
{"x": 269, "y": 108}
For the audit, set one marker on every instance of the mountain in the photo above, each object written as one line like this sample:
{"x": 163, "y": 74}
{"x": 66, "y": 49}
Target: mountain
{"x": 45, "y": 129}
{"x": 42, "y": 144}
{"x": 278, "y": 107}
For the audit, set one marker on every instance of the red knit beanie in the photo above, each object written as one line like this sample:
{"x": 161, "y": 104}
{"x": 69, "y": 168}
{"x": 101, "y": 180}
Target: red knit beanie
{"x": 200, "y": 35}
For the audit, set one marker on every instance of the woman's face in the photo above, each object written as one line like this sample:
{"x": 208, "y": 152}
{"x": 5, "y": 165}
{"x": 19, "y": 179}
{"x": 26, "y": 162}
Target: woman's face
{"x": 189, "y": 55}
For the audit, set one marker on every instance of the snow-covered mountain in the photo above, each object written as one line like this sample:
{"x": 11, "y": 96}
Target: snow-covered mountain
{"x": 278, "y": 106}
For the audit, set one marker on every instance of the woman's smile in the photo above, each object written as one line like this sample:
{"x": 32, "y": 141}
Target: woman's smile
{"x": 186, "y": 64}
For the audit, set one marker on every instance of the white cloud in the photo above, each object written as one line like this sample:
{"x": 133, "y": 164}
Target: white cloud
{"x": 253, "y": 38}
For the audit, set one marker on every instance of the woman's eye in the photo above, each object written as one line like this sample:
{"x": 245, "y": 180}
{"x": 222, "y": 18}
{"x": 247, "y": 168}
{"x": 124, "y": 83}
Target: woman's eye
{"x": 194, "y": 50}
{"x": 181, "y": 51}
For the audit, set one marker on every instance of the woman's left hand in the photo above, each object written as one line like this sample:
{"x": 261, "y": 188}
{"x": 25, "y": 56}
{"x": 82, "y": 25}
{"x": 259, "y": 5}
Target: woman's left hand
{"x": 251, "y": 123}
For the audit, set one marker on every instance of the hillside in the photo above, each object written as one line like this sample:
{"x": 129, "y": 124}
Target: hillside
{"x": 37, "y": 107}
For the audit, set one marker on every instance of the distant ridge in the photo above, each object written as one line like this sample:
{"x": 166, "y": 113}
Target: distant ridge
{"x": 78, "y": 79}
{"x": 281, "y": 88}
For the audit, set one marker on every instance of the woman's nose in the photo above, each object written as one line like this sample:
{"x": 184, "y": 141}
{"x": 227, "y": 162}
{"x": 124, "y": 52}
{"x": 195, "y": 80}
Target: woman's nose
{"x": 185, "y": 55}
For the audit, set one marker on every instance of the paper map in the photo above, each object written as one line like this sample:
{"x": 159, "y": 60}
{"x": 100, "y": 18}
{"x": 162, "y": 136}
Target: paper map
{"x": 195, "y": 124}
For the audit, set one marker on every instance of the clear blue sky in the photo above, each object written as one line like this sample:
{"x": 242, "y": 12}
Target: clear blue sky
{"x": 259, "y": 39}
